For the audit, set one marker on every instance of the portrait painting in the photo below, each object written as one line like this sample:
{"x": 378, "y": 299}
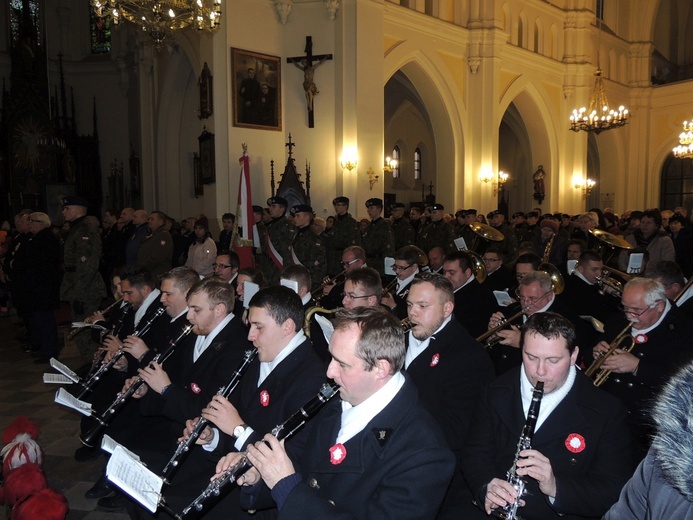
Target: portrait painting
{"x": 256, "y": 84}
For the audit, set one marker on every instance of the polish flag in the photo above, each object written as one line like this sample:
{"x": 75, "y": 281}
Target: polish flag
{"x": 245, "y": 221}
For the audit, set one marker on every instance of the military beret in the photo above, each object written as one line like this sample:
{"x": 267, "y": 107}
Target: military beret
{"x": 493, "y": 213}
{"x": 435, "y": 207}
{"x": 471, "y": 212}
{"x": 257, "y": 209}
{"x": 397, "y": 205}
{"x": 340, "y": 200}
{"x": 549, "y": 223}
{"x": 518, "y": 214}
{"x": 301, "y": 208}
{"x": 374, "y": 202}
{"x": 74, "y": 200}
{"x": 565, "y": 215}
{"x": 532, "y": 214}
{"x": 277, "y": 200}
{"x": 461, "y": 213}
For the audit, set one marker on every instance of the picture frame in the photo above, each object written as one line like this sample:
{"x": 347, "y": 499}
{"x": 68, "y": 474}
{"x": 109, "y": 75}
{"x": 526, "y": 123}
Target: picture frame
{"x": 256, "y": 90}
{"x": 207, "y": 167}
{"x": 206, "y": 92}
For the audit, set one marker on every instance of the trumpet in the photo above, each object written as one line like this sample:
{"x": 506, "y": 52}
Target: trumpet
{"x": 603, "y": 374}
{"x": 489, "y": 336}
{"x": 389, "y": 287}
{"x": 610, "y": 283}
{"x": 104, "y": 312}
{"x": 329, "y": 280}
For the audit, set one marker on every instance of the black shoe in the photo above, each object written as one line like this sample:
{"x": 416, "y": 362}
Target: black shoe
{"x": 117, "y": 501}
{"x": 101, "y": 489}
{"x": 83, "y": 454}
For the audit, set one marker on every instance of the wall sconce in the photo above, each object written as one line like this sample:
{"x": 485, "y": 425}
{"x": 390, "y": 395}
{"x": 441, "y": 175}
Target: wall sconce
{"x": 390, "y": 165}
{"x": 585, "y": 185}
{"x": 498, "y": 180}
{"x": 348, "y": 160}
{"x": 372, "y": 177}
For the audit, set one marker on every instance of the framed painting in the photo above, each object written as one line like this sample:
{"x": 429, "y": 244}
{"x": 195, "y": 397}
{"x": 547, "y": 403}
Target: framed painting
{"x": 256, "y": 84}
{"x": 207, "y": 168}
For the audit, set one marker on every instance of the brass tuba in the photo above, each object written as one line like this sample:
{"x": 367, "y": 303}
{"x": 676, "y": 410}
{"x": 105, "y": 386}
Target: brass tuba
{"x": 478, "y": 266}
{"x": 309, "y": 315}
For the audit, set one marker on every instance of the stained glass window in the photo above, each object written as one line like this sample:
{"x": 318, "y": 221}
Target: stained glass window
{"x": 417, "y": 164}
{"x": 100, "y": 30}
{"x": 395, "y": 156}
{"x": 34, "y": 16}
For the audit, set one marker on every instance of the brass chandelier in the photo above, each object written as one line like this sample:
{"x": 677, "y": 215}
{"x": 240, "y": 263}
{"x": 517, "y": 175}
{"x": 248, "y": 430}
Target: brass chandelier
{"x": 685, "y": 148}
{"x": 598, "y": 116}
{"x": 160, "y": 18}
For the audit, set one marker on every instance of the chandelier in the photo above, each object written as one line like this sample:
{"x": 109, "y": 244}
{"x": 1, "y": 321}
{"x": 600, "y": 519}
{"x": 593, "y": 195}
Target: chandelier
{"x": 598, "y": 116}
{"x": 159, "y": 18}
{"x": 685, "y": 148}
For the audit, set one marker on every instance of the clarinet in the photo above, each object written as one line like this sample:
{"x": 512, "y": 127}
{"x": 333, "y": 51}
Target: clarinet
{"x": 509, "y": 511}
{"x": 105, "y": 367}
{"x": 282, "y": 431}
{"x": 96, "y": 363}
{"x": 185, "y": 444}
{"x": 105, "y": 418}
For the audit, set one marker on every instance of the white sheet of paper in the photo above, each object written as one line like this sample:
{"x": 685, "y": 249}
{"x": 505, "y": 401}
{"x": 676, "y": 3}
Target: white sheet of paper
{"x": 291, "y": 284}
{"x": 250, "y": 289}
{"x": 389, "y": 262}
{"x": 63, "y": 369}
{"x": 57, "y": 379}
{"x": 82, "y": 324}
{"x": 461, "y": 244}
{"x": 503, "y": 298}
{"x": 67, "y": 399}
{"x": 109, "y": 444}
{"x": 635, "y": 263}
{"x": 570, "y": 266}
{"x": 325, "y": 325}
{"x": 134, "y": 479}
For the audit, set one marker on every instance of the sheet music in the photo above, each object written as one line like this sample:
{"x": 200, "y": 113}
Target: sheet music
{"x": 83, "y": 324}
{"x": 388, "y": 263}
{"x": 503, "y": 298}
{"x": 571, "y": 266}
{"x": 461, "y": 244}
{"x": 635, "y": 263}
{"x": 63, "y": 369}
{"x": 291, "y": 284}
{"x": 109, "y": 444}
{"x": 58, "y": 379}
{"x": 134, "y": 479}
{"x": 67, "y": 399}
{"x": 250, "y": 289}
{"x": 325, "y": 325}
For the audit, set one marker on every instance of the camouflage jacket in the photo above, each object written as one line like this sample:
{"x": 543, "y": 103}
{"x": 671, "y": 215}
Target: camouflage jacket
{"x": 379, "y": 242}
{"x": 82, "y": 254}
{"x": 308, "y": 250}
{"x": 280, "y": 232}
{"x": 403, "y": 232}
{"x": 155, "y": 252}
{"x": 345, "y": 233}
{"x": 440, "y": 234}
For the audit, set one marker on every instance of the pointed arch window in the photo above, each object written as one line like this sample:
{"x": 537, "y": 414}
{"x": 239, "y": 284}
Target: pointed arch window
{"x": 417, "y": 164}
{"x": 19, "y": 28}
{"x": 396, "y": 156}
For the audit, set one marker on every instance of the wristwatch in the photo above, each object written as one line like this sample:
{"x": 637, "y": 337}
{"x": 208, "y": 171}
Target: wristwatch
{"x": 239, "y": 430}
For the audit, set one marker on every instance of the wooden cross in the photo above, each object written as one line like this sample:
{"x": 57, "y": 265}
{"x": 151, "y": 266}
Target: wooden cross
{"x": 305, "y": 63}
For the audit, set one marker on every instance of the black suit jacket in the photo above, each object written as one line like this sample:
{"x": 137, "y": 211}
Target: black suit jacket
{"x": 586, "y": 300}
{"x": 588, "y": 482}
{"x": 474, "y": 305}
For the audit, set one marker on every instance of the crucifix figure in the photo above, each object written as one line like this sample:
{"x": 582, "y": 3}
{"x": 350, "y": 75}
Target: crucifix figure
{"x": 308, "y": 64}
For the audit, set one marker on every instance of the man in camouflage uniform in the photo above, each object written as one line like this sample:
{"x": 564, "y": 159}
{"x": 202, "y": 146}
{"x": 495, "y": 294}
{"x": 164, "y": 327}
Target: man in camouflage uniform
{"x": 155, "y": 253}
{"x": 378, "y": 240}
{"x": 465, "y": 231}
{"x": 82, "y": 284}
{"x": 307, "y": 248}
{"x": 401, "y": 228}
{"x": 438, "y": 233}
{"x": 276, "y": 240}
{"x": 417, "y": 220}
{"x": 346, "y": 233}
{"x": 509, "y": 244}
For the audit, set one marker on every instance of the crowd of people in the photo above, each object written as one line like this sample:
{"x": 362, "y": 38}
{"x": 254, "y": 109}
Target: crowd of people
{"x": 452, "y": 340}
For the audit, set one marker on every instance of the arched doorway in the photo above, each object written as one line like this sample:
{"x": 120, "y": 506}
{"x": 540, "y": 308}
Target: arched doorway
{"x": 677, "y": 184}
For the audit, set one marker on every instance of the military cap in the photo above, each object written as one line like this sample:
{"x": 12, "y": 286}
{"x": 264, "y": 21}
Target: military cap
{"x": 470, "y": 212}
{"x": 565, "y": 215}
{"x": 398, "y": 205}
{"x": 277, "y": 200}
{"x": 301, "y": 208}
{"x": 74, "y": 200}
{"x": 532, "y": 214}
{"x": 257, "y": 209}
{"x": 340, "y": 200}
{"x": 518, "y": 214}
{"x": 461, "y": 213}
{"x": 493, "y": 213}
{"x": 435, "y": 207}
{"x": 374, "y": 202}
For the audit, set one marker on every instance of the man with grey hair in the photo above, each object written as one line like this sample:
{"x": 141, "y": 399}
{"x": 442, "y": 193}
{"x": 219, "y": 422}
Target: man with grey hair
{"x": 661, "y": 343}
{"x": 382, "y": 446}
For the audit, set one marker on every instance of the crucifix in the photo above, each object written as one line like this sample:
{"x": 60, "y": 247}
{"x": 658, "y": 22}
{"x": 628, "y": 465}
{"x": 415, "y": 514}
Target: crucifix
{"x": 307, "y": 65}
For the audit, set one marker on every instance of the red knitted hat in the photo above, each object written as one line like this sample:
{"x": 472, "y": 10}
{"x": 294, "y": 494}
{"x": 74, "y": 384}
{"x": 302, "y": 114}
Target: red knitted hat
{"x": 47, "y": 504}
{"x": 22, "y": 482}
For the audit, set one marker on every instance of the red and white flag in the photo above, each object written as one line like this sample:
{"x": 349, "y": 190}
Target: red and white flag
{"x": 245, "y": 221}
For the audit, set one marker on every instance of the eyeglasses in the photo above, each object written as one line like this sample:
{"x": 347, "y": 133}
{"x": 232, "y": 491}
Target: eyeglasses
{"x": 347, "y": 264}
{"x": 352, "y": 296}
{"x": 221, "y": 266}
{"x": 635, "y": 312}
{"x": 399, "y": 268}
{"x": 530, "y": 300}
{"x": 491, "y": 259}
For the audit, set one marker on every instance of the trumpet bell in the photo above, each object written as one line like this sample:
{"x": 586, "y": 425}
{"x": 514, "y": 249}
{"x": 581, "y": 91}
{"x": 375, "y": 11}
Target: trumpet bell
{"x": 611, "y": 240}
{"x": 487, "y": 232}
{"x": 478, "y": 267}
{"x": 557, "y": 282}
